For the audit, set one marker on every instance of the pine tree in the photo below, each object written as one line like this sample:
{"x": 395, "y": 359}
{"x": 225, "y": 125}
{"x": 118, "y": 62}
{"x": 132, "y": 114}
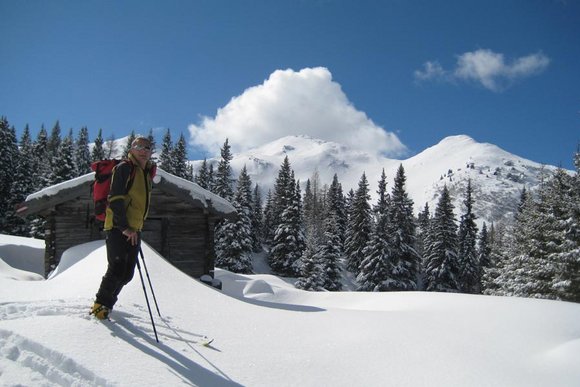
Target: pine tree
{"x": 202, "y": 177}
{"x": 336, "y": 207}
{"x": 470, "y": 268}
{"x": 179, "y": 158}
{"x": 166, "y": 152}
{"x": 442, "y": 267}
{"x": 423, "y": 222}
{"x": 498, "y": 239}
{"x": 8, "y": 164}
{"x": 63, "y": 164}
{"x": 314, "y": 207}
{"x": 82, "y": 154}
{"x": 23, "y": 185}
{"x": 53, "y": 145}
{"x": 484, "y": 249}
{"x": 401, "y": 230}
{"x": 359, "y": 226}
{"x": 377, "y": 265}
{"x": 330, "y": 254}
{"x": 567, "y": 281}
{"x": 234, "y": 237}
{"x": 257, "y": 220}
{"x": 41, "y": 161}
{"x": 98, "y": 153}
{"x": 312, "y": 275}
{"x": 283, "y": 193}
{"x": 530, "y": 269}
{"x": 288, "y": 240}
{"x": 223, "y": 179}
{"x": 128, "y": 144}
{"x": 268, "y": 226}
{"x": 384, "y": 199}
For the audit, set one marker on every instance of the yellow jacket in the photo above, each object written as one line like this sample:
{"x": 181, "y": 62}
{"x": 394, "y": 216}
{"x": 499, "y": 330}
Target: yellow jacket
{"x": 129, "y": 208}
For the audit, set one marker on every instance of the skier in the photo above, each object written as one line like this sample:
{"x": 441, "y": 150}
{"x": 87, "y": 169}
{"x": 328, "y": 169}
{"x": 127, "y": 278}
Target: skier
{"x": 129, "y": 199}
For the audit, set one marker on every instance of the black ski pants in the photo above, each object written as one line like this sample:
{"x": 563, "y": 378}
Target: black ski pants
{"x": 122, "y": 258}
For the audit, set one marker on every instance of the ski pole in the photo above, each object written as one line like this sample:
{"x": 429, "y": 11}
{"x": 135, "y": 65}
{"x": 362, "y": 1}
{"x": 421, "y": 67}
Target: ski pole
{"x": 149, "y": 280}
{"x": 147, "y": 300}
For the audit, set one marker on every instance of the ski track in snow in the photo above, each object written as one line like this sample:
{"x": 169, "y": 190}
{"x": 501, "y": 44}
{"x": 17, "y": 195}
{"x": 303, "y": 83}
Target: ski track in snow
{"x": 48, "y": 367}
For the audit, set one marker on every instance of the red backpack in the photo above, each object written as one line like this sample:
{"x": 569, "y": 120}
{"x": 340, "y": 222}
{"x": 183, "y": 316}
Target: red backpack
{"x": 102, "y": 184}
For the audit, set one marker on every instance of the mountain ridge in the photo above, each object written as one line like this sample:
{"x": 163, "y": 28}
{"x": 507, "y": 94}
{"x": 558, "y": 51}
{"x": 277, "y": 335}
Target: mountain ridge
{"x": 497, "y": 175}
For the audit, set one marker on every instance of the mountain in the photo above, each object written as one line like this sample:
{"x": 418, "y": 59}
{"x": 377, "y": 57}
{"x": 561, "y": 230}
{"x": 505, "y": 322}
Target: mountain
{"x": 497, "y": 176}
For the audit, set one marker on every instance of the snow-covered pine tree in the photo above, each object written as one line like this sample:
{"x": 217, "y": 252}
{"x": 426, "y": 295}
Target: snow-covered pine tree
{"x": 82, "y": 153}
{"x": 283, "y": 193}
{"x": 128, "y": 144}
{"x": 314, "y": 207}
{"x": 202, "y": 176}
{"x": 360, "y": 226}
{"x": 559, "y": 201}
{"x": 423, "y": 223}
{"x": 529, "y": 270}
{"x": 98, "y": 153}
{"x": 8, "y": 164}
{"x": 179, "y": 159}
{"x": 257, "y": 220}
{"x": 268, "y": 226}
{"x": 567, "y": 281}
{"x": 53, "y": 145}
{"x": 312, "y": 274}
{"x": 233, "y": 240}
{"x": 484, "y": 249}
{"x": 499, "y": 240}
{"x": 401, "y": 230}
{"x": 384, "y": 199}
{"x": 375, "y": 270}
{"x": 442, "y": 267}
{"x": 63, "y": 166}
{"x": 336, "y": 206}
{"x": 469, "y": 265}
{"x": 166, "y": 153}
{"x": 23, "y": 185}
{"x": 330, "y": 253}
{"x": 41, "y": 177}
{"x": 223, "y": 179}
{"x": 288, "y": 241}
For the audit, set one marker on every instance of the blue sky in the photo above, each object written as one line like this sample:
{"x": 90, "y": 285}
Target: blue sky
{"x": 398, "y": 76}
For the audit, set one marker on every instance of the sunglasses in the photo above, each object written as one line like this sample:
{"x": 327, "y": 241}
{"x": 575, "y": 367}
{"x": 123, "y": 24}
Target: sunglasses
{"x": 141, "y": 147}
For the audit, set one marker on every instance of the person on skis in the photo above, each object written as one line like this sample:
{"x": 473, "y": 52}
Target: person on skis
{"x": 129, "y": 199}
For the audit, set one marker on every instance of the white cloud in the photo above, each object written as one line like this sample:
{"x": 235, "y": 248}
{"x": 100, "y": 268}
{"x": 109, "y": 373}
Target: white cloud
{"x": 306, "y": 102}
{"x": 488, "y": 68}
{"x": 431, "y": 70}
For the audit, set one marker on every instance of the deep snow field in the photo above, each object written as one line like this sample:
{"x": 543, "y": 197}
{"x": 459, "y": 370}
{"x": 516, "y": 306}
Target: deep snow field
{"x": 266, "y": 333}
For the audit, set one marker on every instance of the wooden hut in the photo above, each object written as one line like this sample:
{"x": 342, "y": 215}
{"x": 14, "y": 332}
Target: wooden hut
{"x": 180, "y": 224}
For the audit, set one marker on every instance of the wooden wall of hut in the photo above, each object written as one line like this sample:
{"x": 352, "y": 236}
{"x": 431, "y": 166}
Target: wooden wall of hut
{"x": 183, "y": 234}
{"x": 179, "y": 232}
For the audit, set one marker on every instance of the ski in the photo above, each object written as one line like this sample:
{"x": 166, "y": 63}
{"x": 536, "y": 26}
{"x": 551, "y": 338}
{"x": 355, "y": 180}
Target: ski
{"x": 204, "y": 341}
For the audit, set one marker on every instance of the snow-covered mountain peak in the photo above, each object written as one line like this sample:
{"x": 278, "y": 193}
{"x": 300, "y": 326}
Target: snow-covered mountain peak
{"x": 497, "y": 175}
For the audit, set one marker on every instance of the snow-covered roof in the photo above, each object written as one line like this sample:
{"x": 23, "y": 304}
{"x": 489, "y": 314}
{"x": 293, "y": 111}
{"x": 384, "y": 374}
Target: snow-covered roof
{"x": 184, "y": 189}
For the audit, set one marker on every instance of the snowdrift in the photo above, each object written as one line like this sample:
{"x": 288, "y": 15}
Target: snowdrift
{"x": 268, "y": 333}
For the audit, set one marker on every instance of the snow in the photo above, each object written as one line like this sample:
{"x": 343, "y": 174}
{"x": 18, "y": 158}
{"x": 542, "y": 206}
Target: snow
{"x": 268, "y": 333}
{"x": 497, "y": 176}
{"x": 204, "y": 197}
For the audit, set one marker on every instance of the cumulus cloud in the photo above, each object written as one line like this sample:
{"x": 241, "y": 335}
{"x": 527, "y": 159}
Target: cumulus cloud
{"x": 307, "y": 102}
{"x": 488, "y": 68}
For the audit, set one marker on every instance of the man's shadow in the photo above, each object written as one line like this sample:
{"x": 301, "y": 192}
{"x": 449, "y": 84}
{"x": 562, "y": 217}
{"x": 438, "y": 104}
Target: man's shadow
{"x": 189, "y": 371}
